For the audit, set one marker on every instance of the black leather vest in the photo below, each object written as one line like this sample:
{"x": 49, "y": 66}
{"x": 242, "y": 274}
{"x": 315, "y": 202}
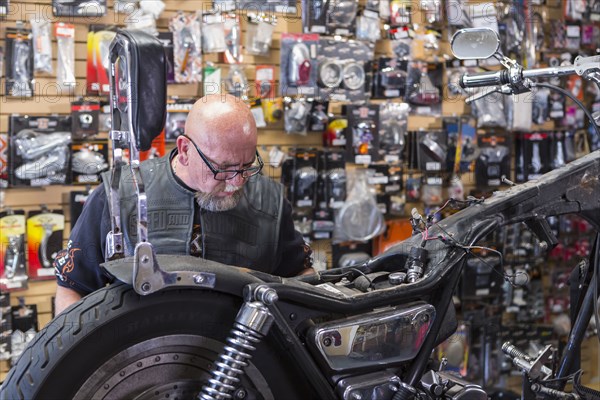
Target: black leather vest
{"x": 246, "y": 236}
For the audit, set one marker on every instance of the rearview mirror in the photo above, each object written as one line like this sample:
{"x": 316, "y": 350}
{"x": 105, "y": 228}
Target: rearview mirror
{"x": 475, "y": 43}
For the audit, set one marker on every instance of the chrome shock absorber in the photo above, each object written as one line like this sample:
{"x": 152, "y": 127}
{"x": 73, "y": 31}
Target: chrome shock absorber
{"x": 251, "y": 324}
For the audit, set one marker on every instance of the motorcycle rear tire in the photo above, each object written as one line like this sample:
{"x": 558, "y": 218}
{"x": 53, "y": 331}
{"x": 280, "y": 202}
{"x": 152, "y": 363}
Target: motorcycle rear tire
{"x": 96, "y": 345}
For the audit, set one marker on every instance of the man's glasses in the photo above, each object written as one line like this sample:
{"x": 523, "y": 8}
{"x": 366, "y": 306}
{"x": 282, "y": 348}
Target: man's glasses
{"x": 226, "y": 174}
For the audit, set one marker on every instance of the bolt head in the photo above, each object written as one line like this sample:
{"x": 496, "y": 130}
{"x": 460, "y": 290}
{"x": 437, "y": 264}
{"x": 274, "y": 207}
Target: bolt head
{"x": 327, "y": 341}
{"x": 145, "y": 259}
{"x": 240, "y": 393}
{"x": 146, "y": 286}
{"x": 198, "y": 279}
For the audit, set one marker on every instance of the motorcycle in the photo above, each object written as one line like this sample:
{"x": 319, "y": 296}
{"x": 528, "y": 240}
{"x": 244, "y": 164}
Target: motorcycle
{"x": 180, "y": 327}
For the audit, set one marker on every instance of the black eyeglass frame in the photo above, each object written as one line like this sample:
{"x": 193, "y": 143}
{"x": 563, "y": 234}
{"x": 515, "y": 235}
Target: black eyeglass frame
{"x": 216, "y": 171}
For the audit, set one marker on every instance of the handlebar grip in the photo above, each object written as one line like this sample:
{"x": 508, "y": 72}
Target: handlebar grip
{"x": 497, "y": 78}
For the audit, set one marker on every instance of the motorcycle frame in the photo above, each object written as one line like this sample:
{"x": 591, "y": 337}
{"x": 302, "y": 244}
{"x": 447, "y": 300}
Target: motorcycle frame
{"x": 566, "y": 190}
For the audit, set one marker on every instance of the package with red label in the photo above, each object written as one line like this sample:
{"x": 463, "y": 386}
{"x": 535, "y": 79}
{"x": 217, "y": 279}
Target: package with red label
{"x": 44, "y": 240}
{"x": 85, "y": 119}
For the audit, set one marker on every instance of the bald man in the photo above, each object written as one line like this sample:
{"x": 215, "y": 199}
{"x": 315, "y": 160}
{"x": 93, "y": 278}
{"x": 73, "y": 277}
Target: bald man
{"x": 206, "y": 198}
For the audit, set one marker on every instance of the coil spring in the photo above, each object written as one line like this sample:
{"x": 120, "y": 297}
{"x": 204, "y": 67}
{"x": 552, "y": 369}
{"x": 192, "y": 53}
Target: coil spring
{"x": 229, "y": 366}
{"x": 414, "y": 274}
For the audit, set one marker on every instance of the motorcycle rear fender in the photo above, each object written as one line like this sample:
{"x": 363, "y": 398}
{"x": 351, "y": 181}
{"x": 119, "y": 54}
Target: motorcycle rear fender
{"x": 224, "y": 278}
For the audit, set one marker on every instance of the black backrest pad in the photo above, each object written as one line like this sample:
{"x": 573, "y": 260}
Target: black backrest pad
{"x": 149, "y": 86}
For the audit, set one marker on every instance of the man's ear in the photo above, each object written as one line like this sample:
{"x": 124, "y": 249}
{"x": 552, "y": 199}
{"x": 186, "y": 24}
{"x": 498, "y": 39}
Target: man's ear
{"x": 183, "y": 148}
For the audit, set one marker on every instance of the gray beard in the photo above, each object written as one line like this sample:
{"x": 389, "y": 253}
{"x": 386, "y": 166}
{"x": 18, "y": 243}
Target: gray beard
{"x": 210, "y": 202}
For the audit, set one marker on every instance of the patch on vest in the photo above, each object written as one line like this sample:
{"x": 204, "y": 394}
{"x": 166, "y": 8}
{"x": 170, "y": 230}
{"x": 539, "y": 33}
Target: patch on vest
{"x": 160, "y": 220}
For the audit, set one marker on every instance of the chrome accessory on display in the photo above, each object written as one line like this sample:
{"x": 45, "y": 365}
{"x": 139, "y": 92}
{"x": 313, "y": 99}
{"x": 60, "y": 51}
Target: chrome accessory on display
{"x": 299, "y": 65}
{"x": 353, "y": 75}
{"x": 330, "y": 74}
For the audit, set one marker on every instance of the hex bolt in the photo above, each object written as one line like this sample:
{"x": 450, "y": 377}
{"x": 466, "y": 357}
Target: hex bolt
{"x": 198, "y": 279}
{"x": 146, "y": 287}
{"x": 240, "y": 393}
{"x": 327, "y": 341}
{"x": 145, "y": 259}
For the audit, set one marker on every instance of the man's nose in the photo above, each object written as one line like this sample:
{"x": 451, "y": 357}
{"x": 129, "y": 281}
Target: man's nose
{"x": 237, "y": 180}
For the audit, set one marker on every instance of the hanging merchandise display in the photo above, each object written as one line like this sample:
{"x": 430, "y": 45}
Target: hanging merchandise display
{"x": 299, "y": 175}
{"x": 233, "y": 39}
{"x": 314, "y": 15}
{"x": 462, "y": 145}
{"x": 362, "y": 133}
{"x": 490, "y": 111}
{"x": 262, "y": 6}
{"x": 540, "y": 107}
{"x": 39, "y": 150}
{"x": 400, "y": 12}
{"x": 432, "y": 151}
{"x": 298, "y": 71}
{"x": 77, "y": 199}
{"x": 457, "y": 15}
{"x": 187, "y": 46}
{"x": 335, "y": 134}
{"x": 343, "y": 70}
{"x": 42, "y": 51}
{"x": 65, "y": 42}
{"x": 341, "y": 16}
{"x": 562, "y": 148}
{"x": 85, "y": 116}
{"x": 3, "y": 160}
{"x": 256, "y": 108}
{"x": 390, "y": 78}
{"x": 493, "y": 162}
{"x": 259, "y": 34}
{"x": 19, "y": 63}
{"x": 98, "y": 42}
{"x": 367, "y": 27}
{"x": 265, "y": 81}
{"x": 212, "y": 81}
{"x": 333, "y": 17}
{"x": 431, "y": 11}
{"x": 522, "y": 110}
{"x": 141, "y": 14}
{"x": 413, "y": 189}
{"x": 318, "y": 118}
{"x": 213, "y": 33}
{"x": 273, "y": 109}
{"x": 423, "y": 87}
{"x": 78, "y": 8}
{"x": 167, "y": 40}
{"x": 236, "y": 82}
{"x": 359, "y": 218}
{"x": 432, "y": 191}
{"x": 24, "y": 326}
{"x": 177, "y": 112}
{"x": 44, "y": 240}
{"x": 296, "y": 115}
{"x": 332, "y": 179}
{"x": 88, "y": 160}
{"x": 13, "y": 272}
{"x": 393, "y": 126}
{"x": 6, "y": 326}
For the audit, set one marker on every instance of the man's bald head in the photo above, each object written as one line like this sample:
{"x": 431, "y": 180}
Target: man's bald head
{"x": 217, "y": 119}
